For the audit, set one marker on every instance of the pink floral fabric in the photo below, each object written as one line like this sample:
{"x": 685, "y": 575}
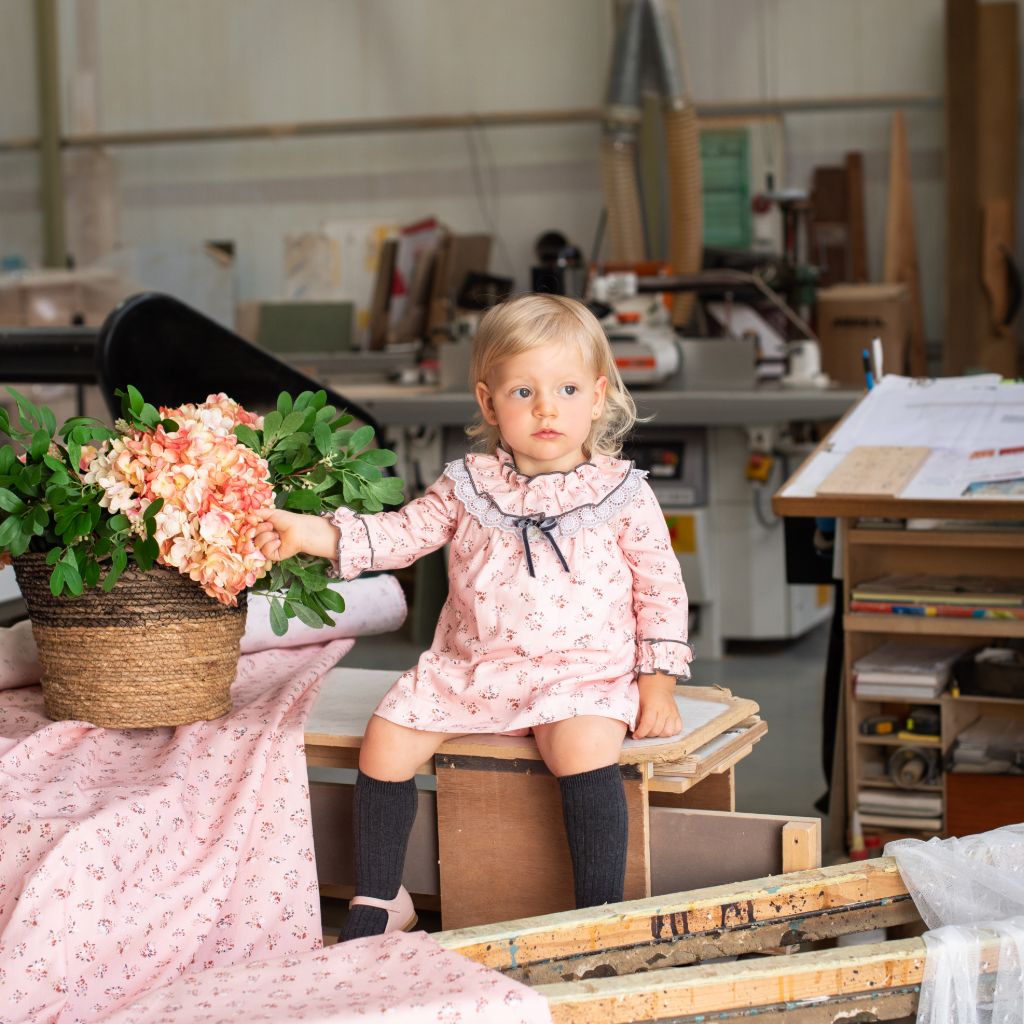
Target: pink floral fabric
{"x": 405, "y": 979}
{"x": 513, "y": 650}
{"x": 131, "y": 857}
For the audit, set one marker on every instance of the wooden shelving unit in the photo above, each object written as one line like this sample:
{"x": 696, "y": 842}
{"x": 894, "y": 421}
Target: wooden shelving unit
{"x": 870, "y": 553}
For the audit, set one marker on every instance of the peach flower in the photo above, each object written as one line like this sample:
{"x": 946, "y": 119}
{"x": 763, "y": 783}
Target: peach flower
{"x": 212, "y": 487}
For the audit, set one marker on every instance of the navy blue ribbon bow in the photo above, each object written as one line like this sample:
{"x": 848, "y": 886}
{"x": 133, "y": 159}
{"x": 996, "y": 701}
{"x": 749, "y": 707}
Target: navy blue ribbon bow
{"x": 545, "y": 524}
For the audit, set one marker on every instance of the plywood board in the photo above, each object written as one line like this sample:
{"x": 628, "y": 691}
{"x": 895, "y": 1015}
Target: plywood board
{"x": 696, "y": 849}
{"x": 502, "y": 844}
{"x": 875, "y": 471}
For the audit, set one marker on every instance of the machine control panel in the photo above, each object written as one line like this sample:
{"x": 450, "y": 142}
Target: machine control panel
{"x": 676, "y": 463}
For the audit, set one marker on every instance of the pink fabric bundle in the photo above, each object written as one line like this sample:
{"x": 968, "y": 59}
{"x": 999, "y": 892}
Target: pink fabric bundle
{"x": 408, "y": 979}
{"x": 131, "y": 857}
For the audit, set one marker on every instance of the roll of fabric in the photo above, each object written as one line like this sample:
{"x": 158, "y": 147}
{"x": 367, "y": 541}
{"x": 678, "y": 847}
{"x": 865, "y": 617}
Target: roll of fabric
{"x": 373, "y": 604}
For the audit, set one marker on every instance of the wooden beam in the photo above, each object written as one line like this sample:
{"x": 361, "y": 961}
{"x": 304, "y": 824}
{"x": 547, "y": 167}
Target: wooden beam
{"x": 773, "y": 984}
{"x": 664, "y": 931}
{"x": 963, "y": 221}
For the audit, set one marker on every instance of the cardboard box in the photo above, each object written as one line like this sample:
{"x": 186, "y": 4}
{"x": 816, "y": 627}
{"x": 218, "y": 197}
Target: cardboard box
{"x": 850, "y": 316}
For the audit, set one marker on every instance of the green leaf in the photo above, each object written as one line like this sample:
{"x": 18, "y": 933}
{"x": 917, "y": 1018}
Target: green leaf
{"x": 361, "y": 438}
{"x": 170, "y": 426}
{"x": 305, "y": 615}
{"x": 10, "y": 529}
{"x": 91, "y": 573}
{"x": 284, "y": 403}
{"x": 118, "y": 562}
{"x": 303, "y": 501}
{"x": 152, "y": 508}
{"x": 278, "y": 618}
{"x": 144, "y": 552}
{"x": 72, "y": 577}
{"x": 322, "y": 438}
{"x": 40, "y": 443}
{"x": 49, "y": 420}
{"x": 58, "y": 579}
{"x": 271, "y": 426}
{"x": 248, "y": 437}
{"x": 118, "y": 522}
{"x": 38, "y": 520}
{"x": 52, "y": 555}
{"x": 292, "y": 422}
{"x": 135, "y": 400}
{"x": 379, "y": 457}
{"x": 9, "y": 501}
{"x": 365, "y": 470}
{"x": 331, "y": 600}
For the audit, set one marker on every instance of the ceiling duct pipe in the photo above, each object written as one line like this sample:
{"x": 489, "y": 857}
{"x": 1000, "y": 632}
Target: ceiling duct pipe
{"x": 618, "y": 145}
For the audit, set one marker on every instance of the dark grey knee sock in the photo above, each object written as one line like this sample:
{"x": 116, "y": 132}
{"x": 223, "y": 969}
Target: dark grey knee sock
{"x": 597, "y": 826}
{"x": 382, "y": 817}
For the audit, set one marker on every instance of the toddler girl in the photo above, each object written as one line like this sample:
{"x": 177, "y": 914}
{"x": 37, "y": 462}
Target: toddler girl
{"x": 566, "y": 612}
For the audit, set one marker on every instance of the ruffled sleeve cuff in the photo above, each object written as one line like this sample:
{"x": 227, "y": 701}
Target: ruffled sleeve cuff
{"x": 672, "y": 657}
{"x": 355, "y": 549}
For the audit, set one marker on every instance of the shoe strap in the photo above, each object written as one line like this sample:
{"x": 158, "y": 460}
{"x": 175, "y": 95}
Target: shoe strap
{"x": 371, "y": 901}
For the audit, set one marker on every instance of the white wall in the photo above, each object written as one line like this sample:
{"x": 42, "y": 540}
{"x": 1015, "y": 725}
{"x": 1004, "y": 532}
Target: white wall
{"x": 215, "y": 62}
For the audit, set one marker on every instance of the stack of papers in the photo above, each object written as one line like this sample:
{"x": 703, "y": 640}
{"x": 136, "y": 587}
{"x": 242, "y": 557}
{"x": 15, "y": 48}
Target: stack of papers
{"x": 905, "y": 670}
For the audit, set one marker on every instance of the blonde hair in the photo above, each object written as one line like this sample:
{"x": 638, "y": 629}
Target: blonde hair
{"x": 529, "y": 321}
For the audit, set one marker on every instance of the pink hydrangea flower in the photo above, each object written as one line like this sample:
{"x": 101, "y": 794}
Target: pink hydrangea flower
{"x": 213, "y": 489}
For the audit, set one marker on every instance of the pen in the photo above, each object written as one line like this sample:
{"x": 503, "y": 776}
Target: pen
{"x": 876, "y": 352}
{"x": 869, "y": 378}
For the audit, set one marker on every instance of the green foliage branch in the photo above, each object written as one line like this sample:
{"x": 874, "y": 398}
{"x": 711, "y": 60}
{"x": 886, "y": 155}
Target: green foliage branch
{"x": 317, "y": 464}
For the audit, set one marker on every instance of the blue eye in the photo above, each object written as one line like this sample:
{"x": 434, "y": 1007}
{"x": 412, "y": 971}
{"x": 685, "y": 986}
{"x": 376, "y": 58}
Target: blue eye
{"x": 569, "y": 389}
{"x": 521, "y": 392}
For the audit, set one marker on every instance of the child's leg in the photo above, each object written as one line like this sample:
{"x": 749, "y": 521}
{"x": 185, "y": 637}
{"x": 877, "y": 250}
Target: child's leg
{"x": 583, "y": 753}
{"x": 384, "y": 809}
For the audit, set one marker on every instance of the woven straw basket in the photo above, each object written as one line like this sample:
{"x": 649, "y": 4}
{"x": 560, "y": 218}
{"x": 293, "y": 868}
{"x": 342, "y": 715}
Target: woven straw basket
{"x": 154, "y": 651}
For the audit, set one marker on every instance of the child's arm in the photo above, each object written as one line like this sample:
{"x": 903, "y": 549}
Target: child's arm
{"x": 387, "y": 540}
{"x": 661, "y": 609}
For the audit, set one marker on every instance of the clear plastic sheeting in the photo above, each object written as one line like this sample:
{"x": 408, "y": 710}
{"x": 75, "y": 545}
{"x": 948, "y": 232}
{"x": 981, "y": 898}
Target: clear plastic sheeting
{"x": 970, "y": 893}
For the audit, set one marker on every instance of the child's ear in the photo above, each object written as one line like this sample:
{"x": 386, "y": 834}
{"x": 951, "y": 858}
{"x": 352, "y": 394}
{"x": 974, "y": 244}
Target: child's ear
{"x": 600, "y": 390}
{"x": 486, "y": 402}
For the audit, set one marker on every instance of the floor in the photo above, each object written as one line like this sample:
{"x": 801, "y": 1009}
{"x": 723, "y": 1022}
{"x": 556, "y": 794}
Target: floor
{"x": 783, "y": 775}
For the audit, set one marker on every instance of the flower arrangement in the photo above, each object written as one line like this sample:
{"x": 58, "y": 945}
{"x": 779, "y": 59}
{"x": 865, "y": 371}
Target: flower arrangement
{"x": 186, "y": 488}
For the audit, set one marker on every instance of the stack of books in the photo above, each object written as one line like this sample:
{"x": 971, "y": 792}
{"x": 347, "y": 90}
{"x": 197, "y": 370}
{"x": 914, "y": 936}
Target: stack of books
{"x": 896, "y": 809}
{"x": 905, "y": 670}
{"x": 961, "y": 597}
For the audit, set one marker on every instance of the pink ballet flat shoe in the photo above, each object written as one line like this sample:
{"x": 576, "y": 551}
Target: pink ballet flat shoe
{"x": 401, "y": 916}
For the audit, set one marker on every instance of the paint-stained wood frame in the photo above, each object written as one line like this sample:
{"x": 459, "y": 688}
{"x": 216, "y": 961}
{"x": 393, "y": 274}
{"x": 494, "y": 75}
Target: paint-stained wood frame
{"x": 691, "y": 927}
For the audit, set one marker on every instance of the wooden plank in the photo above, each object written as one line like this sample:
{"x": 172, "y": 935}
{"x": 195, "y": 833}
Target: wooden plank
{"x": 855, "y": 218}
{"x": 749, "y": 985}
{"x": 739, "y": 917}
{"x": 901, "y": 263}
{"x": 801, "y": 844}
{"x": 963, "y": 285}
{"x": 698, "y": 849}
{"x": 715, "y": 792}
{"x": 506, "y": 822}
{"x": 875, "y": 471}
{"x": 719, "y": 753}
{"x": 998, "y": 113}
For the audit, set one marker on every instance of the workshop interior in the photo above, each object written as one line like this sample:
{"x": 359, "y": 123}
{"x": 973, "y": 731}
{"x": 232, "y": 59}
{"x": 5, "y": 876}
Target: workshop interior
{"x": 797, "y": 224}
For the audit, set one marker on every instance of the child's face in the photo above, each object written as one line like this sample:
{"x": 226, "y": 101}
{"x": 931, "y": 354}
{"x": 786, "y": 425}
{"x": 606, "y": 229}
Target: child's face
{"x": 544, "y": 403}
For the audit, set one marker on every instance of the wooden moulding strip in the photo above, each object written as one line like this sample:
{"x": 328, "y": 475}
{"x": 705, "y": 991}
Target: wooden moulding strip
{"x": 771, "y": 984}
{"x": 684, "y": 927}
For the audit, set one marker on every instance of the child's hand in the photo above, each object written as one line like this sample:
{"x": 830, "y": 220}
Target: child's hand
{"x": 659, "y": 713}
{"x": 283, "y": 534}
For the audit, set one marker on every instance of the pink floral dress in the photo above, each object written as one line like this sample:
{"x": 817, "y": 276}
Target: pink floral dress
{"x": 562, "y": 587}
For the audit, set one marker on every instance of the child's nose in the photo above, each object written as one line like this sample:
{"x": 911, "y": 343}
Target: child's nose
{"x": 544, "y": 406}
